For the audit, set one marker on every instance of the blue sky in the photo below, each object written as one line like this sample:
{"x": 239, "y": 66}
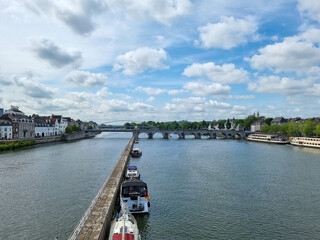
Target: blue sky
{"x": 166, "y": 60}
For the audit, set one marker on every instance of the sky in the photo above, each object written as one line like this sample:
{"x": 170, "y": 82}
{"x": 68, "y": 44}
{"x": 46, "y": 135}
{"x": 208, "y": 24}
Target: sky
{"x": 160, "y": 60}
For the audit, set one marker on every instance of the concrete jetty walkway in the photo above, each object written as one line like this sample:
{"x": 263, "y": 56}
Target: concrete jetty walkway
{"x": 95, "y": 223}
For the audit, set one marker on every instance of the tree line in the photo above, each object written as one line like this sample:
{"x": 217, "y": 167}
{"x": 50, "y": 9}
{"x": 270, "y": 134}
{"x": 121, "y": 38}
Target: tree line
{"x": 308, "y": 128}
{"x": 184, "y": 125}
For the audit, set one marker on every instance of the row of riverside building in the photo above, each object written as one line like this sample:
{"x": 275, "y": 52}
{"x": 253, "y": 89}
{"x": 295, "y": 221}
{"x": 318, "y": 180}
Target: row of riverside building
{"x": 15, "y": 125}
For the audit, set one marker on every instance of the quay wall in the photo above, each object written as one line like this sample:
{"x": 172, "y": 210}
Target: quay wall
{"x": 95, "y": 223}
{"x": 47, "y": 139}
{"x": 77, "y": 135}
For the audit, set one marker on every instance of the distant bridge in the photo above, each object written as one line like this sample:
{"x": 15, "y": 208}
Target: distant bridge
{"x": 212, "y": 134}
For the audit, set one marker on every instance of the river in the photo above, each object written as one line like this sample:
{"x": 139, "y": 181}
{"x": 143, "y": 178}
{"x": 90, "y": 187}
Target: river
{"x": 199, "y": 188}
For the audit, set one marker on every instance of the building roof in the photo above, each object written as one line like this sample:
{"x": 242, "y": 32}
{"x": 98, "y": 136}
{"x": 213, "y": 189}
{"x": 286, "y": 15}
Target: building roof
{"x": 259, "y": 121}
{"x": 278, "y": 120}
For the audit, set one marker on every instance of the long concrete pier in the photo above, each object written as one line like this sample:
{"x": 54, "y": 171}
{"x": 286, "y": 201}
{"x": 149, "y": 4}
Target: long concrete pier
{"x": 95, "y": 223}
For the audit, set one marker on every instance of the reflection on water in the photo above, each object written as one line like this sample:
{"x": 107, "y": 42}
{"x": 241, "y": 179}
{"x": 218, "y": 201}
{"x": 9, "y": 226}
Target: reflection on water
{"x": 307, "y": 149}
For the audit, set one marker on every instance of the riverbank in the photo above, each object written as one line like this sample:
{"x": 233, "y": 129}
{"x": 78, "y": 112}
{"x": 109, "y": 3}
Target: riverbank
{"x": 10, "y": 145}
{"x": 15, "y": 144}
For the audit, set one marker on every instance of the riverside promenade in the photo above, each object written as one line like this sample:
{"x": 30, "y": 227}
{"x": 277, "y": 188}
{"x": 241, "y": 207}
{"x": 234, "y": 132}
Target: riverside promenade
{"x": 95, "y": 223}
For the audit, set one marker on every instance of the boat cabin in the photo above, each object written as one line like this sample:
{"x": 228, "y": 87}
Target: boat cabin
{"x": 134, "y": 196}
{"x": 133, "y": 189}
{"x": 132, "y": 173}
{"x": 136, "y": 152}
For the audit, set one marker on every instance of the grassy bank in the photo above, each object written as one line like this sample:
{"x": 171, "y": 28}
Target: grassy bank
{"x": 15, "y": 144}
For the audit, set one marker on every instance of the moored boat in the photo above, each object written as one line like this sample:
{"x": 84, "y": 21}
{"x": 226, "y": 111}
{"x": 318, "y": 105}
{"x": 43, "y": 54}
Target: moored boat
{"x": 136, "y": 152}
{"x": 124, "y": 227}
{"x": 132, "y": 173}
{"x": 268, "y": 138}
{"x": 305, "y": 141}
{"x": 134, "y": 196}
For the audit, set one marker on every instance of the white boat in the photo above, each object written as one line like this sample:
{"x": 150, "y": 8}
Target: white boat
{"x": 136, "y": 152}
{"x": 134, "y": 196}
{"x": 305, "y": 141}
{"x": 124, "y": 227}
{"x": 132, "y": 173}
{"x": 268, "y": 138}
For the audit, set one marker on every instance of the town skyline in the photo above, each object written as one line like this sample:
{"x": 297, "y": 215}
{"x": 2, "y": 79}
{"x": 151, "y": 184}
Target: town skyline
{"x": 161, "y": 61}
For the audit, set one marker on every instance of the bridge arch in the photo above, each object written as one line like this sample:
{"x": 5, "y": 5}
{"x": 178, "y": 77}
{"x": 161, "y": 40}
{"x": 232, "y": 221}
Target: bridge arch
{"x": 180, "y": 134}
{"x": 190, "y": 133}
{"x": 206, "y": 135}
{"x": 237, "y": 135}
{"x": 221, "y": 134}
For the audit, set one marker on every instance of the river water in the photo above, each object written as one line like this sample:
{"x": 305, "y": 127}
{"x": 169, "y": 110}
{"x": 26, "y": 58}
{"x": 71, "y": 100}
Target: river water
{"x": 199, "y": 188}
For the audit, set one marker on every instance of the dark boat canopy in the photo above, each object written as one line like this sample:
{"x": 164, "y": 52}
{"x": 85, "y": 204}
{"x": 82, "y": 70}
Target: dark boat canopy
{"x": 134, "y": 183}
{"x": 132, "y": 167}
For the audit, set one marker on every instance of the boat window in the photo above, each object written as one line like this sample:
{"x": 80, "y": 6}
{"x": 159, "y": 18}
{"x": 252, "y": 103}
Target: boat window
{"x": 125, "y": 192}
{"x": 134, "y": 189}
{"x": 142, "y": 191}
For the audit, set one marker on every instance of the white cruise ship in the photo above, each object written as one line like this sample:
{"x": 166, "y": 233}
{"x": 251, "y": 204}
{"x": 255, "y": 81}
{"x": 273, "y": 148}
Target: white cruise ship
{"x": 305, "y": 141}
{"x": 268, "y": 138}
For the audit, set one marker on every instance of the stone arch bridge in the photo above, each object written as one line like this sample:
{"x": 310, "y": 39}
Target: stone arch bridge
{"x": 181, "y": 133}
{"x": 197, "y": 133}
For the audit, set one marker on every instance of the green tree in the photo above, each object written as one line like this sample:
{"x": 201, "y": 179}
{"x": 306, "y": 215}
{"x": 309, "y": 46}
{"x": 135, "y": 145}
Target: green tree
{"x": 274, "y": 128}
{"x": 213, "y": 123}
{"x": 228, "y": 124}
{"x": 204, "y": 124}
{"x": 284, "y": 128}
{"x": 240, "y": 121}
{"x": 194, "y": 125}
{"x": 89, "y": 127}
{"x": 268, "y": 121}
{"x": 68, "y": 129}
{"x": 265, "y": 128}
{"x": 308, "y": 128}
{"x": 294, "y": 129}
{"x": 248, "y": 120}
{"x": 175, "y": 125}
{"x": 221, "y": 123}
{"x": 185, "y": 125}
{"x": 317, "y": 131}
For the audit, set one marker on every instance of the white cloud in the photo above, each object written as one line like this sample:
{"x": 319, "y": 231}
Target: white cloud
{"x": 202, "y": 89}
{"x": 150, "y": 91}
{"x": 298, "y": 53}
{"x": 30, "y": 87}
{"x": 57, "y": 57}
{"x": 183, "y": 105}
{"x": 287, "y": 86}
{"x": 216, "y": 104}
{"x": 241, "y": 97}
{"x": 297, "y": 110}
{"x": 79, "y": 15}
{"x": 139, "y": 60}
{"x": 199, "y": 108}
{"x": 176, "y": 91}
{"x": 190, "y": 100}
{"x": 124, "y": 108}
{"x": 86, "y": 79}
{"x": 227, "y": 73}
{"x": 228, "y": 33}
{"x": 165, "y": 11}
{"x": 151, "y": 99}
{"x": 103, "y": 92}
{"x": 310, "y": 8}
